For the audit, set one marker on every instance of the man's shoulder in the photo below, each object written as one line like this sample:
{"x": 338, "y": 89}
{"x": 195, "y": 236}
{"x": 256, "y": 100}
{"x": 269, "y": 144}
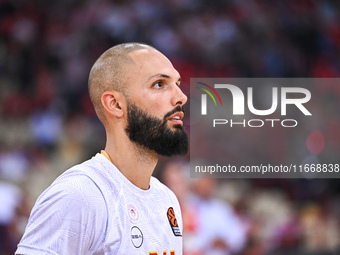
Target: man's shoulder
{"x": 157, "y": 185}
{"x": 84, "y": 180}
{"x": 162, "y": 189}
{"x": 93, "y": 169}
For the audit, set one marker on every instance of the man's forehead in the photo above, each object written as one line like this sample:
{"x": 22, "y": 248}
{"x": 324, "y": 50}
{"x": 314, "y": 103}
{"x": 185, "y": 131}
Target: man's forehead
{"x": 145, "y": 53}
{"x": 153, "y": 61}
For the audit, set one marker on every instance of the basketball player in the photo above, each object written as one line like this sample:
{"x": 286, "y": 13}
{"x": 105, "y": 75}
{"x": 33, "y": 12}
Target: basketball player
{"x": 111, "y": 204}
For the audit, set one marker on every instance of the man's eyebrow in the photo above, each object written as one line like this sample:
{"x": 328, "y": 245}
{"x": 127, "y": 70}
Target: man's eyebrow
{"x": 160, "y": 75}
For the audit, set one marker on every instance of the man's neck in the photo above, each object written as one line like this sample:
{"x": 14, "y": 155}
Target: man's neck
{"x": 135, "y": 162}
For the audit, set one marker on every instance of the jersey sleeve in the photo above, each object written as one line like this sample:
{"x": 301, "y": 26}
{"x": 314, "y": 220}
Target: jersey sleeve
{"x": 63, "y": 221}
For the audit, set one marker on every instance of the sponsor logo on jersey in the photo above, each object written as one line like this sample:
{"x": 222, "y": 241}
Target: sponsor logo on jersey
{"x": 136, "y": 237}
{"x": 133, "y": 214}
{"x": 173, "y": 222}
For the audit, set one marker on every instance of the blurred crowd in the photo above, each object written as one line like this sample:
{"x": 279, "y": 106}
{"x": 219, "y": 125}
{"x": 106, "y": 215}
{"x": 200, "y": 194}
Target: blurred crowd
{"x": 48, "y": 123}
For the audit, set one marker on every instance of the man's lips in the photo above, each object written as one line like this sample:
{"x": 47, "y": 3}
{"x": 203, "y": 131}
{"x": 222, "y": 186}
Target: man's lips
{"x": 176, "y": 118}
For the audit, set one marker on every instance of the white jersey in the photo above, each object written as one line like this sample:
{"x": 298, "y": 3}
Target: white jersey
{"x": 94, "y": 209}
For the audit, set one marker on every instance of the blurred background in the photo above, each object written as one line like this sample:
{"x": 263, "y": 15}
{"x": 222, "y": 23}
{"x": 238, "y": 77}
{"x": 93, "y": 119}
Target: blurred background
{"x": 47, "y": 122}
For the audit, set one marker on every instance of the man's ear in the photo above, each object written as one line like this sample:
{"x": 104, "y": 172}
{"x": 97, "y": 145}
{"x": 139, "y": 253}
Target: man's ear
{"x": 112, "y": 102}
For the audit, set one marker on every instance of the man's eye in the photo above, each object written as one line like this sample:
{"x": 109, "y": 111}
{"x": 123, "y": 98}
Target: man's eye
{"x": 158, "y": 84}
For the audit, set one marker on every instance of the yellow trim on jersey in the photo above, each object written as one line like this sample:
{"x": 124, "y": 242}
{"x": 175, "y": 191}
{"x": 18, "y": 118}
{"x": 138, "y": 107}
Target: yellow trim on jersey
{"x": 106, "y": 155}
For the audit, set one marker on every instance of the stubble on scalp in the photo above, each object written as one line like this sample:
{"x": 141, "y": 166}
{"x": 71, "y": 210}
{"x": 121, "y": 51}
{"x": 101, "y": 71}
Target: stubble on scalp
{"x": 109, "y": 73}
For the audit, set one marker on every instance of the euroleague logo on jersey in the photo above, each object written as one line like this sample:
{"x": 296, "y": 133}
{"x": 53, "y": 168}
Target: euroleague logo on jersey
{"x": 173, "y": 222}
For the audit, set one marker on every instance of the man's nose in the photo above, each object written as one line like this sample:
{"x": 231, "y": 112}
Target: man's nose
{"x": 179, "y": 98}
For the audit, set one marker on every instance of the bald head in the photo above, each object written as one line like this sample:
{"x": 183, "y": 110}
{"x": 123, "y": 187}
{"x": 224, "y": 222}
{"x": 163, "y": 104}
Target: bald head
{"x": 109, "y": 72}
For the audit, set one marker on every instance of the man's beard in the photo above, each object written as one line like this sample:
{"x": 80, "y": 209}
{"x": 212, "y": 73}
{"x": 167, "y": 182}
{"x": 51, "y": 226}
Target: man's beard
{"x": 154, "y": 134}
